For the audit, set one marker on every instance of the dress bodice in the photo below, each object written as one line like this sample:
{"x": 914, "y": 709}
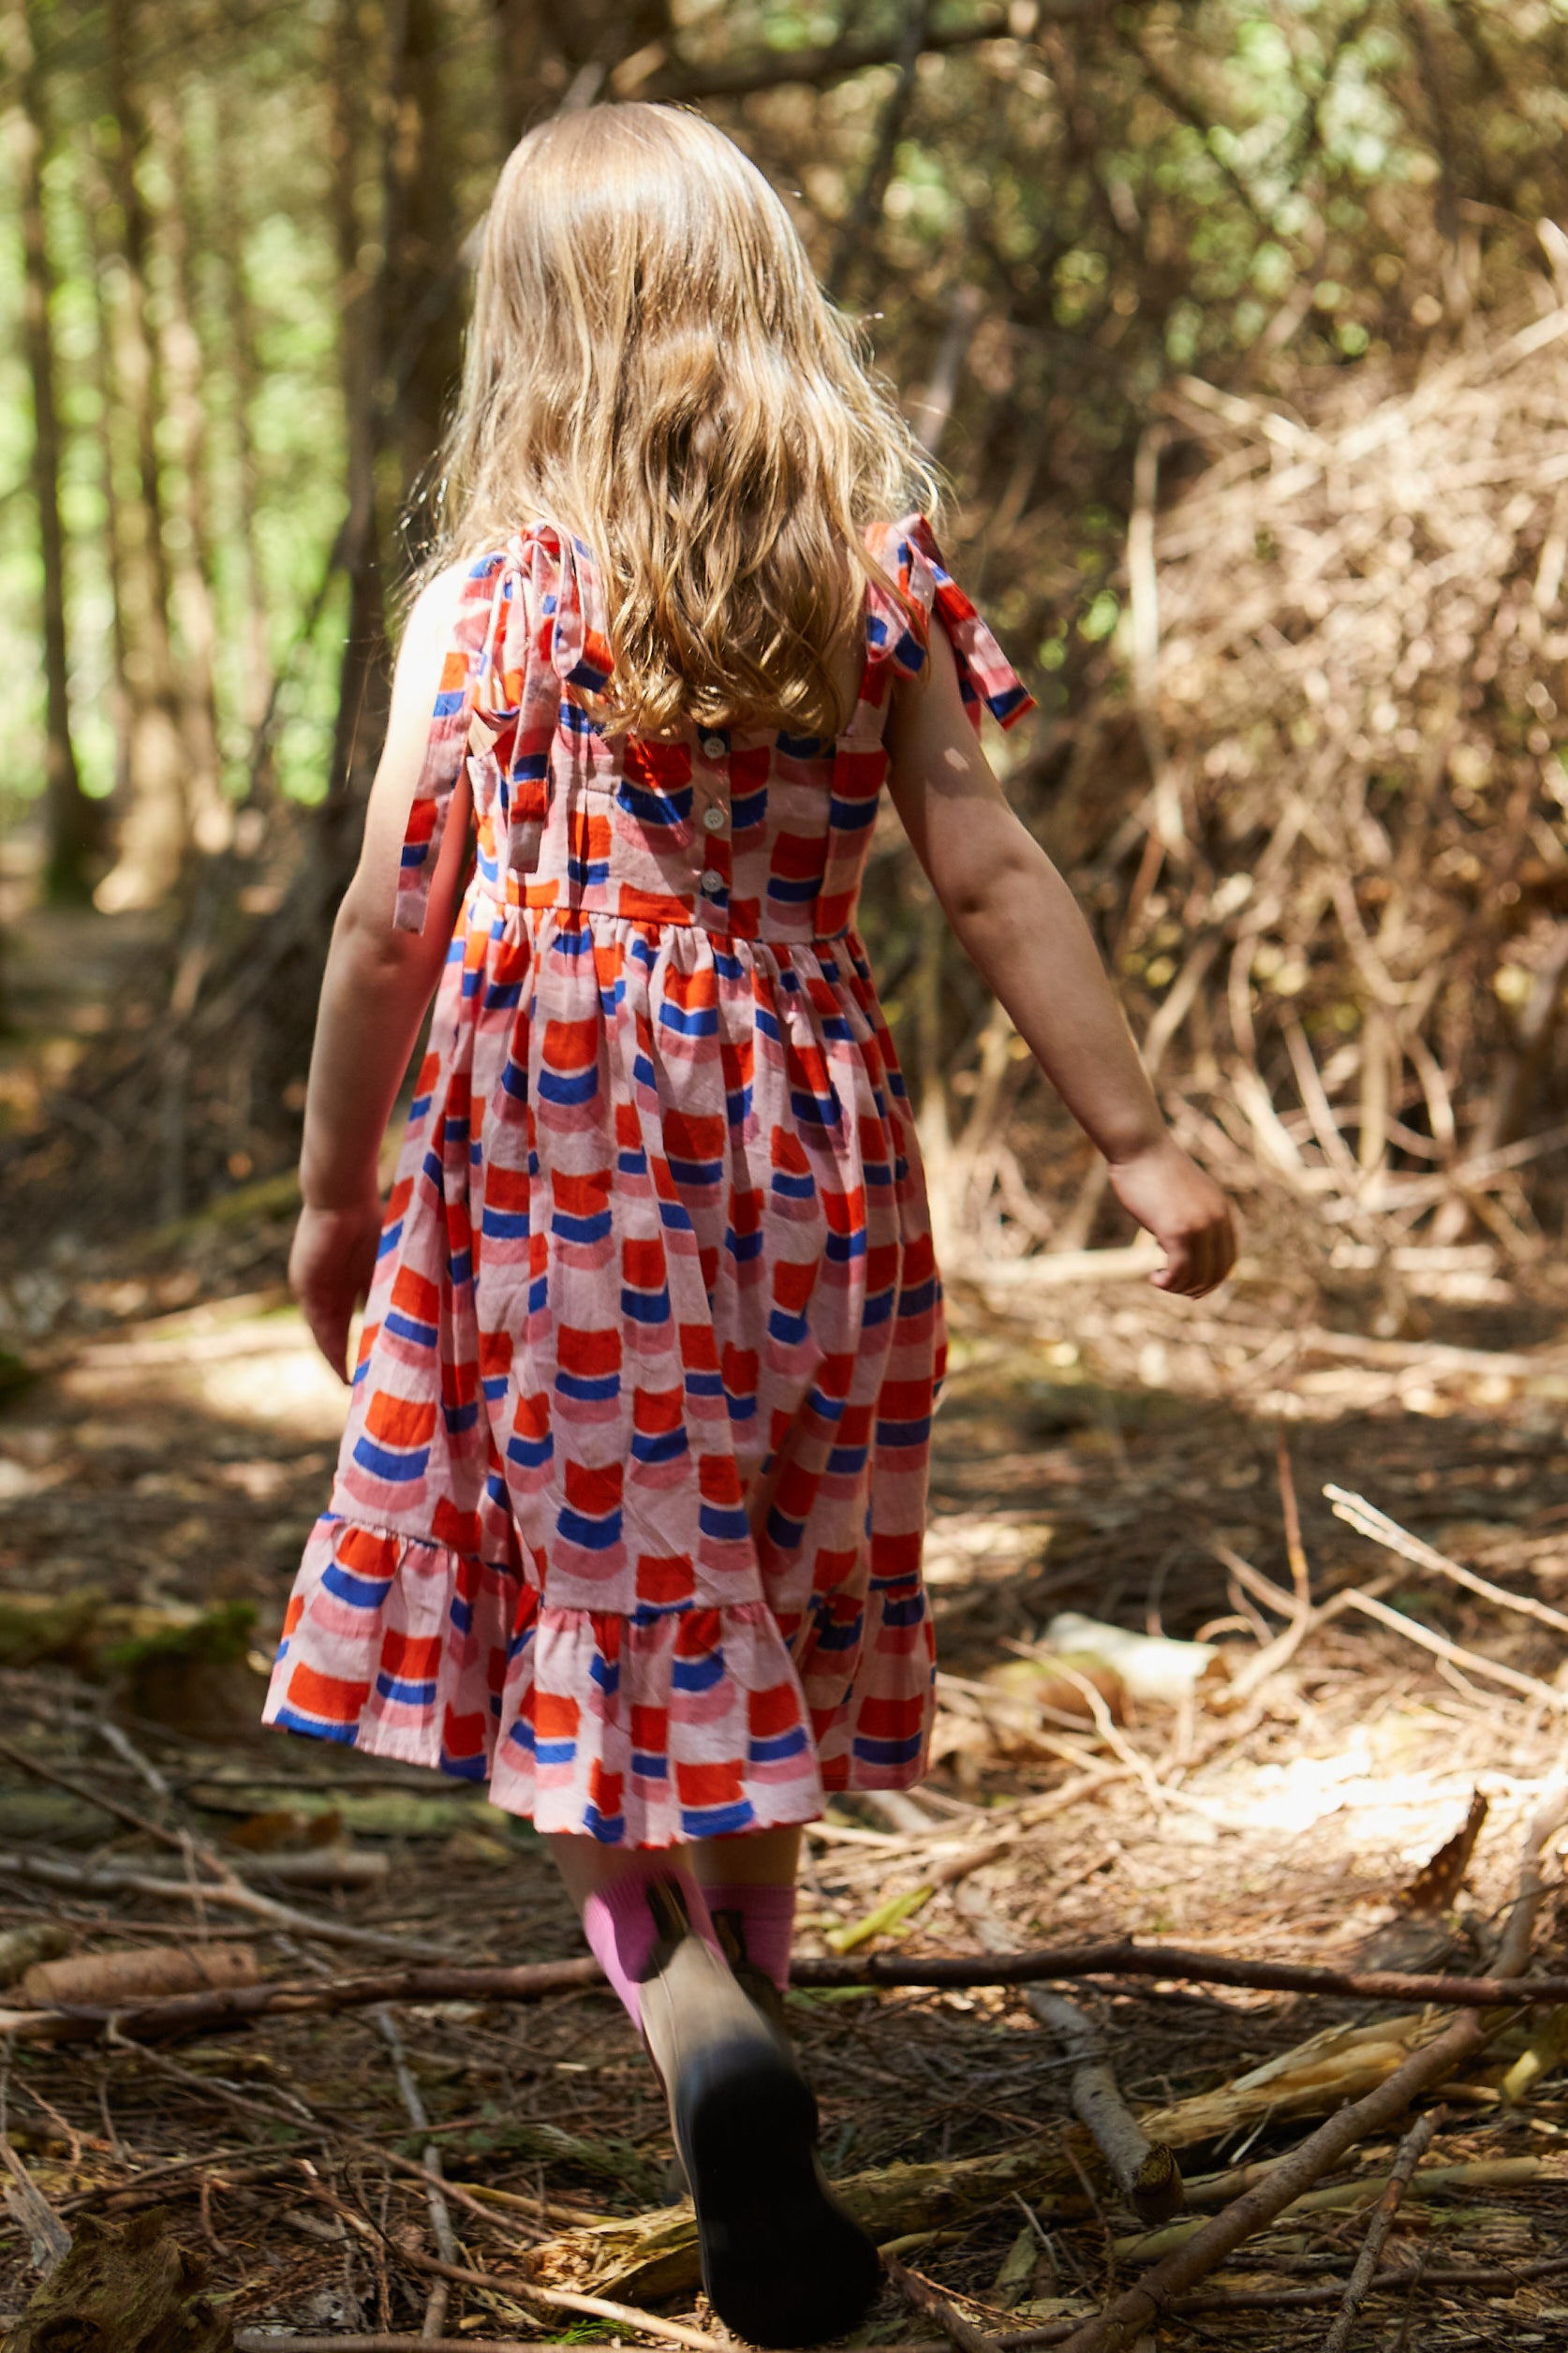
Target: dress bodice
{"x": 749, "y": 834}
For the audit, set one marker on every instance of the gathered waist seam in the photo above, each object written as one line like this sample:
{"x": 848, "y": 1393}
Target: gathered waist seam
{"x": 524, "y": 913}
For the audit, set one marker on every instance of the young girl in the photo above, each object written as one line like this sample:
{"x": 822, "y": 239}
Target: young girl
{"x": 628, "y": 1512}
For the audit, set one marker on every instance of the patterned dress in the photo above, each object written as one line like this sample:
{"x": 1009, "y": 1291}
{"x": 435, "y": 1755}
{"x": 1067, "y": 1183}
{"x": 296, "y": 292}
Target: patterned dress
{"x": 628, "y": 1512}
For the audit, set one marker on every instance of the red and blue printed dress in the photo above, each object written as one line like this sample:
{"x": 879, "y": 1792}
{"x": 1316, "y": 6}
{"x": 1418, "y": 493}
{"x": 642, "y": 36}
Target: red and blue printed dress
{"x": 628, "y": 1512}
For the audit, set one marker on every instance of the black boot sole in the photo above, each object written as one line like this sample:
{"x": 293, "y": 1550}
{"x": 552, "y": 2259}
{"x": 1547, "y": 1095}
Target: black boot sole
{"x": 782, "y": 2262}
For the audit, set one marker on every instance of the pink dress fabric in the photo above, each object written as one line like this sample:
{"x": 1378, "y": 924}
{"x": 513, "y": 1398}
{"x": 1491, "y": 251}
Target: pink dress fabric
{"x": 628, "y": 1512}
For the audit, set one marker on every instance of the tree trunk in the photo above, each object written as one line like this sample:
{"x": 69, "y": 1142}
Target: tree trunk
{"x": 229, "y": 225}
{"x": 74, "y": 821}
{"x": 192, "y": 569}
{"x": 362, "y": 682}
{"x": 156, "y": 832}
{"x": 96, "y": 198}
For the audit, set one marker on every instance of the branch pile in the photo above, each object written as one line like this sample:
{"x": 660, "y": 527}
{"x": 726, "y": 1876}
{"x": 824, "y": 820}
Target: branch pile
{"x": 1348, "y": 884}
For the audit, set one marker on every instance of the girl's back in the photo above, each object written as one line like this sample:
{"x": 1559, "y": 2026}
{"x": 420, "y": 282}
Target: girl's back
{"x": 659, "y": 1214}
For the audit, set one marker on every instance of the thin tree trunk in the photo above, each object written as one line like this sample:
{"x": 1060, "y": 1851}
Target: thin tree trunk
{"x": 362, "y": 685}
{"x": 229, "y": 223}
{"x": 96, "y": 198}
{"x": 192, "y": 567}
{"x": 519, "y": 41}
{"x": 156, "y": 831}
{"x": 74, "y": 821}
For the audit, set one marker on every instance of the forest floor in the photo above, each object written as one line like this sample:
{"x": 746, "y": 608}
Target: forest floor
{"x": 166, "y": 1438}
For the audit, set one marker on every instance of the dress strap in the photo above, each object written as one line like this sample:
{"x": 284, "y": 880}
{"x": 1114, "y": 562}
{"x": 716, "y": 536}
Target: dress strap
{"x": 909, "y": 553}
{"x": 467, "y": 658}
{"x": 530, "y": 622}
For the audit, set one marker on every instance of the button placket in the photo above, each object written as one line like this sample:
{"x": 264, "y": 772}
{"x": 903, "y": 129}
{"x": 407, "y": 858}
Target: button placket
{"x": 713, "y": 882}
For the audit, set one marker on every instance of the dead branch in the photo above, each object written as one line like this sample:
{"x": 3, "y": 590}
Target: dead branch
{"x": 1495, "y": 2279}
{"x": 231, "y": 1893}
{"x": 435, "y": 2198}
{"x": 269, "y": 2341}
{"x": 1545, "y": 1694}
{"x": 48, "y": 2239}
{"x": 926, "y": 2298}
{"x": 556, "y": 2299}
{"x": 535, "y": 1981}
{"x": 1367, "y": 1520}
{"x": 1139, "y": 2306}
{"x": 1145, "y": 2171}
{"x": 1406, "y": 2157}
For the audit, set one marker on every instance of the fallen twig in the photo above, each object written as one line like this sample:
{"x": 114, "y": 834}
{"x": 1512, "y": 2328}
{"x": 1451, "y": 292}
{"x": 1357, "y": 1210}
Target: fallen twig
{"x": 1145, "y": 2171}
{"x": 535, "y": 1981}
{"x": 440, "y": 2213}
{"x": 1367, "y": 1520}
{"x": 925, "y": 2297}
{"x": 48, "y": 2239}
{"x": 1139, "y": 2306}
{"x": 558, "y": 2299}
{"x": 54, "y": 1870}
{"x": 1531, "y": 1685}
{"x": 1406, "y": 2158}
{"x": 277, "y": 2341}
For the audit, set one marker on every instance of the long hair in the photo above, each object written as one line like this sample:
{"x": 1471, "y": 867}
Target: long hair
{"x": 653, "y": 366}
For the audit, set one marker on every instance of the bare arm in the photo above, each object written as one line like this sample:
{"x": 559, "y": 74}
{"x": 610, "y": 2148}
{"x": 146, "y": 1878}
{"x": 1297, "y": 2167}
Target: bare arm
{"x": 375, "y": 994}
{"x": 1023, "y": 930}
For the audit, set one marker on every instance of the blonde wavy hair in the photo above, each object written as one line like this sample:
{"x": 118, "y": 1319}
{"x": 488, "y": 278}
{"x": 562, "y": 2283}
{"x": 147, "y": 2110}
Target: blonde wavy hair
{"x": 652, "y": 365}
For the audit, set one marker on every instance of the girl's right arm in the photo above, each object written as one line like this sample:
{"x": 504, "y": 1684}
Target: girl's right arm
{"x": 375, "y": 994}
{"x": 1023, "y": 930}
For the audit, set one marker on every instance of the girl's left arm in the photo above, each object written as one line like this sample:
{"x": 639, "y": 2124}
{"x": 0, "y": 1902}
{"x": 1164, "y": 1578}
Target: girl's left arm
{"x": 1023, "y": 927}
{"x": 375, "y": 995}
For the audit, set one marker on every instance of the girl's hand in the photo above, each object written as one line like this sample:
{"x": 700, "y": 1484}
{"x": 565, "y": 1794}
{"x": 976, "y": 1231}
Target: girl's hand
{"x": 330, "y": 1265}
{"x": 1186, "y": 1212}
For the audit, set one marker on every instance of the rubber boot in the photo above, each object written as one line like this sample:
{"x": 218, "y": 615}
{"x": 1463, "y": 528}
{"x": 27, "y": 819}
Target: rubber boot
{"x": 782, "y": 2263}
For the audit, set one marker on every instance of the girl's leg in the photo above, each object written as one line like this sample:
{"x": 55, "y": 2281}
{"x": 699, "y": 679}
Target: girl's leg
{"x": 610, "y": 1887}
{"x": 783, "y": 2263}
{"x": 751, "y": 1879}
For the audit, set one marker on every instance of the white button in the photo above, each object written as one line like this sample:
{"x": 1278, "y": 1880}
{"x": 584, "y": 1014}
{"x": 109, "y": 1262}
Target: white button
{"x": 712, "y": 821}
{"x": 714, "y": 747}
{"x": 712, "y": 880}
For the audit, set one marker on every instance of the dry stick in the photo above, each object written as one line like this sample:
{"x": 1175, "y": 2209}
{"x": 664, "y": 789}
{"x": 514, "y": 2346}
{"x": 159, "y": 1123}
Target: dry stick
{"x": 1367, "y": 1520}
{"x": 272, "y": 2341}
{"x": 1406, "y": 2158}
{"x": 127, "y": 1814}
{"x": 925, "y": 2297}
{"x": 1278, "y": 1654}
{"x": 301, "y": 2118}
{"x": 49, "y": 2240}
{"x": 558, "y": 2299}
{"x": 1145, "y": 2171}
{"x": 192, "y": 2013}
{"x": 1140, "y": 2306}
{"x": 440, "y": 2213}
{"x": 1455, "y": 1653}
{"x": 49, "y": 1870}
{"x": 1295, "y": 1552}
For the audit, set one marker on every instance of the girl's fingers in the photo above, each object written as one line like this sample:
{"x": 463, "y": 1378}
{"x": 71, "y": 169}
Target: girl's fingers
{"x": 329, "y": 1329}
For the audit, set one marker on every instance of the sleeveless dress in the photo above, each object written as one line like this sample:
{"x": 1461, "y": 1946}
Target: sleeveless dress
{"x": 628, "y": 1511}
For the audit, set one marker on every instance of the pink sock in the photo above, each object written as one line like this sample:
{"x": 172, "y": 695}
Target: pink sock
{"x": 767, "y": 1922}
{"x": 622, "y": 1931}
